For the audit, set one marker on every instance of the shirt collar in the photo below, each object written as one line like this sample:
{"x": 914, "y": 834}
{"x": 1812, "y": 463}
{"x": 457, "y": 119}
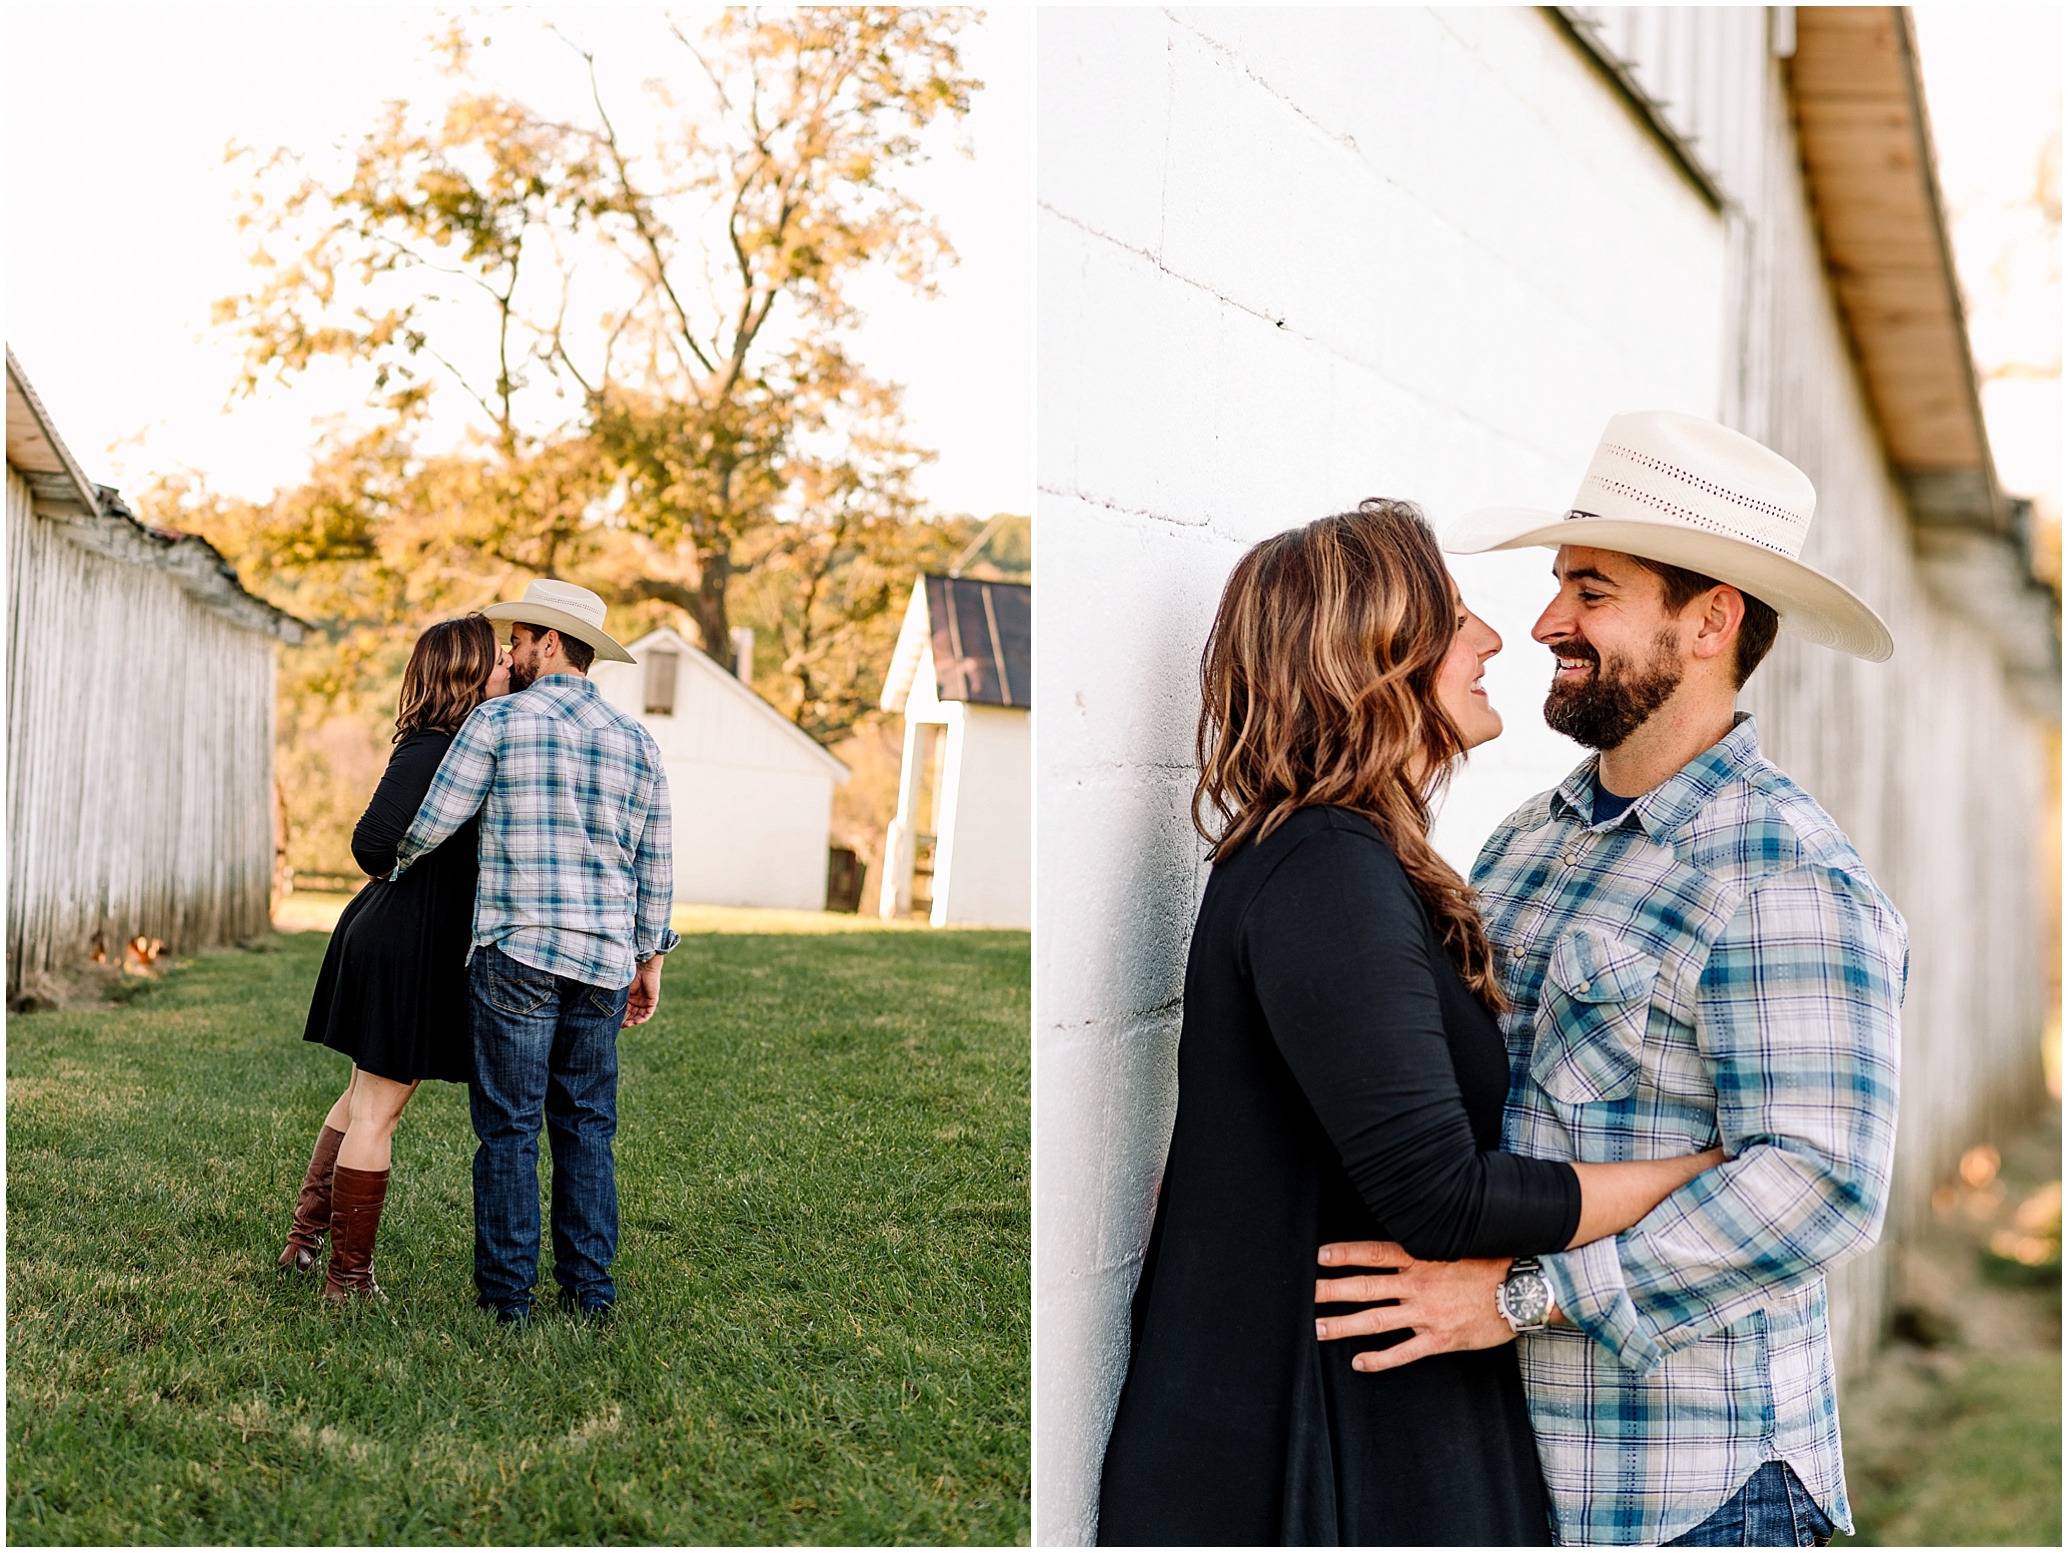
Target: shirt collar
{"x": 563, "y": 688}
{"x": 1674, "y": 801}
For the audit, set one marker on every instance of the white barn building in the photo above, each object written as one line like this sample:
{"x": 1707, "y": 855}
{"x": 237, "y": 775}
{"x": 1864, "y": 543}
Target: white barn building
{"x": 1288, "y": 259}
{"x": 959, "y": 849}
{"x": 751, "y": 793}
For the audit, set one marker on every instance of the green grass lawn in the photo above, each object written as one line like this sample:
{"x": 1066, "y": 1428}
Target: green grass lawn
{"x": 1953, "y": 1437}
{"x": 1983, "y": 1466}
{"x": 822, "y": 1331}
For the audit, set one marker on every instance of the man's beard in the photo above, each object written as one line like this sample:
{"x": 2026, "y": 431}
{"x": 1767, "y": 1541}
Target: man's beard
{"x": 522, "y": 678}
{"x": 1613, "y": 702}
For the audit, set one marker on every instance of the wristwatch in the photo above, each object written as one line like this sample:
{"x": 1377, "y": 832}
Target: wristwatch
{"x": 1524, "y": 1297}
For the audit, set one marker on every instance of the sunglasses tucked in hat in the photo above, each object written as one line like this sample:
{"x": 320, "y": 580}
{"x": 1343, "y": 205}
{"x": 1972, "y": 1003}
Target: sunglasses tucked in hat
{"x": 1693, "y": 494}
{"x": 562, "y": 607}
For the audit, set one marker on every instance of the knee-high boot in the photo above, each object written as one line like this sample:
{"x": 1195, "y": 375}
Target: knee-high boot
{"x": 312, "y": 1208}
{"x": 355, "y": 1220}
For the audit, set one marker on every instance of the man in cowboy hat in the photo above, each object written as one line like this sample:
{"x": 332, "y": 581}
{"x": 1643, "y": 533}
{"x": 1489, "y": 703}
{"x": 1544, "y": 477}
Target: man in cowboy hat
{"x": 570, "y": 924}
{"x": 1695, "y": 955}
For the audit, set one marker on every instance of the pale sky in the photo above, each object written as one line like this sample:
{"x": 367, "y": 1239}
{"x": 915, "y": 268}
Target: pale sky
{"x": 1992, "y": 81}
{"x": 121, "y": 224}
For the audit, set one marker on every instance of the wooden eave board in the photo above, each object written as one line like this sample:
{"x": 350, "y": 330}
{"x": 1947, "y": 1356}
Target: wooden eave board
{"x": 35, "y": 449}
{"x": 28, "y": 449}
{"x": 1859, "y": 125}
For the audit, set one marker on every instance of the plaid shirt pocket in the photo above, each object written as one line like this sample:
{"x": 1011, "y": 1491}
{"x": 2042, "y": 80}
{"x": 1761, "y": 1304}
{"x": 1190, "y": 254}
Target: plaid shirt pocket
{"x": 1591, "y": 1018}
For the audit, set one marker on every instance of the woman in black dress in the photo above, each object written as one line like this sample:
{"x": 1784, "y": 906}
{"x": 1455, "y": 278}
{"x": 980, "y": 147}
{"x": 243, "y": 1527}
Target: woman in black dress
{"x": 392, "y": 994}
{"x": 1340, "y": 1078}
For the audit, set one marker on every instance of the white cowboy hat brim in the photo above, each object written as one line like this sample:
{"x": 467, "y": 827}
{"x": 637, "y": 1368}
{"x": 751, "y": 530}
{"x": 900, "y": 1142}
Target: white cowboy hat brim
{"x": 537, "y": 614}
{"x": 1811, "y": 605}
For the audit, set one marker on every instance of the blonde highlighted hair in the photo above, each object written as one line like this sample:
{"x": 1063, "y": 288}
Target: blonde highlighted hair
{"x": 1318, "y": 686}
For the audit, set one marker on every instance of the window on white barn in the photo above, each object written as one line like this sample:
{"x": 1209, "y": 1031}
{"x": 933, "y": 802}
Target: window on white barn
{"x": 660, "y": 683}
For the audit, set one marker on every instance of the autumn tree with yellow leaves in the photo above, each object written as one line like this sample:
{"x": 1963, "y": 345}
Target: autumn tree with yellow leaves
{"x": 653, "y": 345}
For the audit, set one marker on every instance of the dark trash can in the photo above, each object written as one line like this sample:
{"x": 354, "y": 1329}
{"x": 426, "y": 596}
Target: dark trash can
{"x": 843, "y": 879}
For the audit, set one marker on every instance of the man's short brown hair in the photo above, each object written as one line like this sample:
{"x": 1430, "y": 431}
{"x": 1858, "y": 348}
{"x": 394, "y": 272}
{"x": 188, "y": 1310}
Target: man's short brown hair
{"x": 1756, "y": 632}
{"x": 579, "y": 654}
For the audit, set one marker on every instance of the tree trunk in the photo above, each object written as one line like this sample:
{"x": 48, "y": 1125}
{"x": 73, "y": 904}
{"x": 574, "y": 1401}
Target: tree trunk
{"x": 712, "y": 622}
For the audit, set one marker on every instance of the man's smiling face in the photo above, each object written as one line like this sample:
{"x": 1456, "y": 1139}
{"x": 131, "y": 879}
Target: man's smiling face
{"x": 1617, "y": 654}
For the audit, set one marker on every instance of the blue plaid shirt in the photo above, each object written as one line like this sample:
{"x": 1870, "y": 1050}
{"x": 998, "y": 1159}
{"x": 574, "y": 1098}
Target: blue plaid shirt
{"x": 1713, "y": 966}
{"x": 576, "y": 862}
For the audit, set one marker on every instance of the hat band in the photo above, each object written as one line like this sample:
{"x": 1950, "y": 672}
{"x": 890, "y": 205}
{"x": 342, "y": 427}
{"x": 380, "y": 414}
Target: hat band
{"x": 1677, "y": 515}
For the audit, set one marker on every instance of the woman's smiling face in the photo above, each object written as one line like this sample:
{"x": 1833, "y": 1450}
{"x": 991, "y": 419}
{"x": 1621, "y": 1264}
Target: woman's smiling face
{"x": 1458, "y": 688}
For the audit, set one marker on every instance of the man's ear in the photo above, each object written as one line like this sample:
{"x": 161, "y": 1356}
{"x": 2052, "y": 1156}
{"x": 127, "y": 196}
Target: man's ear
{"x": 1721, "y": 612}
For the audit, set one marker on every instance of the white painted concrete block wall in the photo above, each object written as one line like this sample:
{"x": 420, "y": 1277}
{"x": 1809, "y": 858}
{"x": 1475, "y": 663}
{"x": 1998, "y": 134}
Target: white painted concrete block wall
{"x": 1287, "y": 260}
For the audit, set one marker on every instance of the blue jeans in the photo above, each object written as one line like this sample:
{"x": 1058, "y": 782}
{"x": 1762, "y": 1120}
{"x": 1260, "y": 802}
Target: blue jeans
{"x": 545, "y": 1048}
{"x": 1772, "y": 1510}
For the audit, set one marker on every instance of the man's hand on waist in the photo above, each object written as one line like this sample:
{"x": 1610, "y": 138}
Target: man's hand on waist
{"x": 1448, "y": 1306}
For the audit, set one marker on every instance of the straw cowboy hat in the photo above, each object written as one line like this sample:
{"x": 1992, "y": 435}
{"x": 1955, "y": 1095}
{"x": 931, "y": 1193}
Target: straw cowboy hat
{"x": 1690, "y": 493}
{"x": 562, "y": 607}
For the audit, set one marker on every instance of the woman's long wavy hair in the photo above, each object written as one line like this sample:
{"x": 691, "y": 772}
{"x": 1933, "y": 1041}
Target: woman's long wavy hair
{"x": 447, "y": 676}
{"x": 1318, "y": 686}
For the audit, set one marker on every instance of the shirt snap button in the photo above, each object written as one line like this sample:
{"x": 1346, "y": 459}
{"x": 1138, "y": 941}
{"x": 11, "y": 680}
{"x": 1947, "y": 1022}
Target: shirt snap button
{"x": 1583, "y": 986}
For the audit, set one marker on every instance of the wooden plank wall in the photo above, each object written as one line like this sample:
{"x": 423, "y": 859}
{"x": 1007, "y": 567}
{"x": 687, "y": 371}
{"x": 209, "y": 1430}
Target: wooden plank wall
{"x": 139, "y": 757}
{"x": 1927, "y": 761}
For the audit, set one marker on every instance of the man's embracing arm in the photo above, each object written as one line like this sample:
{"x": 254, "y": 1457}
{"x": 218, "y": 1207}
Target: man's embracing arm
{"x": 457, "y": 791}
{"x": 1798, "y": 1015}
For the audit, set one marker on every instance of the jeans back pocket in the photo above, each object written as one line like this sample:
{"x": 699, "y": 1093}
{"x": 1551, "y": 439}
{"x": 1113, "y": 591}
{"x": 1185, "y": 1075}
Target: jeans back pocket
{"x": 514, "y": 988}
{"x": 1591, "y": 1018}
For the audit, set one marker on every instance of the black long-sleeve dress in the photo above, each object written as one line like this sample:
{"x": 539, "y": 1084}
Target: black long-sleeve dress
{"x": 1336, "y": 1081}
{"x": 392, "y": 994}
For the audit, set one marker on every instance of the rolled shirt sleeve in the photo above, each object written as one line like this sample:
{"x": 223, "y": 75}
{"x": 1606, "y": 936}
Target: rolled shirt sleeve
{"x": 1798, "y": 1018}
{"x": 653, "y": 868}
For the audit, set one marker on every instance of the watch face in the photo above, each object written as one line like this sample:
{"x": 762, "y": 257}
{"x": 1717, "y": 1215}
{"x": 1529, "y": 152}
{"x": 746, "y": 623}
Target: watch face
{"x": 1528, "y": 1297}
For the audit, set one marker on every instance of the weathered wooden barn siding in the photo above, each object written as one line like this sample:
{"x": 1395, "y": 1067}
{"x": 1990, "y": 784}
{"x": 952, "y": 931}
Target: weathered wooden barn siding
{"x": 139, "y": 756}
{"x": 1930, "y": 762}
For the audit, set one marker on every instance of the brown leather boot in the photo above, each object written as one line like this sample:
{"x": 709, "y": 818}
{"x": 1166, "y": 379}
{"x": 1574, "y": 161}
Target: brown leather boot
{"x": 355, "y": 1219}
{"x": 312, "y": 1208}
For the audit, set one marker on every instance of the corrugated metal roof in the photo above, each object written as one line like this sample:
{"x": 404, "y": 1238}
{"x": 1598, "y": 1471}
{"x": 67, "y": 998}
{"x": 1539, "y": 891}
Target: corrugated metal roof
{"x": 982, "y": 640}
